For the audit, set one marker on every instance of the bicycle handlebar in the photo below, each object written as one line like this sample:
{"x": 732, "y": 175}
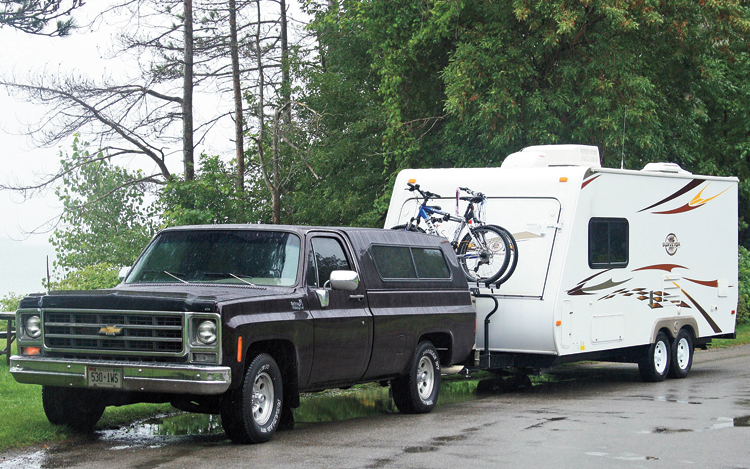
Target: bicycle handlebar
{"x": 426, "y": 194}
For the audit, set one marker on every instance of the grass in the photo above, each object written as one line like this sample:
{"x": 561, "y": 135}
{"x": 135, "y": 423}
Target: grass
{"x": 24, "y": 422}
{"x": 743, "y": 337}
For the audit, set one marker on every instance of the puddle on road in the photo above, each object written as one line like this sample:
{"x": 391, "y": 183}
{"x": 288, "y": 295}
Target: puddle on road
{"x": 328, "y": 406}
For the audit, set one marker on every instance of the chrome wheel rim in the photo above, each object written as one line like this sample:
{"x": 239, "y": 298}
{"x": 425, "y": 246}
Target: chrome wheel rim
{"x": 660, "y": 357}
{"x": 425, "y": 378}
{"x": 263, "y": 396}
{"x": 683, "y": 353}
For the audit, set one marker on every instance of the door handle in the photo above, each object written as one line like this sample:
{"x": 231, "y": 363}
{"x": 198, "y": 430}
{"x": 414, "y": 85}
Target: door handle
{"x": 357, "y": 297}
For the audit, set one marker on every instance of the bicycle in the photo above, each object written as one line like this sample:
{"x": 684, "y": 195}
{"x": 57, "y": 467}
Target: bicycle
{"x": 486, "y": 253}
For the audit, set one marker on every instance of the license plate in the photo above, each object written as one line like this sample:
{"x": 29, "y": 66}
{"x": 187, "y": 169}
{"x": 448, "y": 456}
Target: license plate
{"x": 103, "y": 377}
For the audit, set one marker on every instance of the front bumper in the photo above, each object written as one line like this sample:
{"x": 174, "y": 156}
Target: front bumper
{"x": 173, "y": 378}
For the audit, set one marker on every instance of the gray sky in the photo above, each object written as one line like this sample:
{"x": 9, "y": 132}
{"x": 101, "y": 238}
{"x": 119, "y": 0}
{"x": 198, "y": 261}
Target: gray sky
{"x": 23, "y": 256}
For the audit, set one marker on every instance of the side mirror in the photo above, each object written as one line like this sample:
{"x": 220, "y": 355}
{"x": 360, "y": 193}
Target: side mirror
{"x": 124, "y": 271}
{"x": 344, "y": 280}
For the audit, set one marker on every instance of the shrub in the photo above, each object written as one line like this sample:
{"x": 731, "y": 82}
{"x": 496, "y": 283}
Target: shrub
{"x": 743, "y": 306}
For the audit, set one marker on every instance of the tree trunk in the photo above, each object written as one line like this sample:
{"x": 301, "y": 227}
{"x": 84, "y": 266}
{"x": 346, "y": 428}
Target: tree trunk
{"x": 238, "y": 127}
{"x": 187, "y": 98}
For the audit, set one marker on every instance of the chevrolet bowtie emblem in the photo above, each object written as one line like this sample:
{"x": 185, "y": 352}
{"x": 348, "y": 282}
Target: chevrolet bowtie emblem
{"x": 110, "y": 330}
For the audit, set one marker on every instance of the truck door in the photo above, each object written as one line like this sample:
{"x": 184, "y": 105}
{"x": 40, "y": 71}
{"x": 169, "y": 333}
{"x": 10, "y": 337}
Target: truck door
{"x": 343, "y": 327}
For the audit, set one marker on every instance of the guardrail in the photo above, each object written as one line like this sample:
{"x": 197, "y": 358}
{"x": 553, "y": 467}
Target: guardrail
{"x": 9, "y": 334}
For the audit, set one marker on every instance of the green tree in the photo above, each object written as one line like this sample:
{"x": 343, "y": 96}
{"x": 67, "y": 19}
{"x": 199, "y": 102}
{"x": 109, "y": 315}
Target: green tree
{"x": 9, "y": 303}
{"x": 33, "y": 16}
{"x": 92, "y": 277}
{"x": 466, "y": 82}
{"x": 212, "y": 197}
{"x": 106, "y": 219}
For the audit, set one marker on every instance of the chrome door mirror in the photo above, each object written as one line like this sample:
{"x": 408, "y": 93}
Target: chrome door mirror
{"x": 344, "y": 280}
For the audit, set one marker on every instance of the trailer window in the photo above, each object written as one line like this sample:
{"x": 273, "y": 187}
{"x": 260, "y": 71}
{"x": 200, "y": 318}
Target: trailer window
{"x": 608, "y": 243}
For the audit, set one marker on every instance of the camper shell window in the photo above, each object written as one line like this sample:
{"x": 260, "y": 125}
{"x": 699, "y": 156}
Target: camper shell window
{"x": 409, "y": 263}
{"x": 608, "y": 243}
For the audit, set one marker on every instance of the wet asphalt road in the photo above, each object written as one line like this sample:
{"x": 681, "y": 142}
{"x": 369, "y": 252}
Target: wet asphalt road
{"x": 593, "y": 416}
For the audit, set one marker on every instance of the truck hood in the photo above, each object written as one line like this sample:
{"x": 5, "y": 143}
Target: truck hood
{"x": 150, "y": 297}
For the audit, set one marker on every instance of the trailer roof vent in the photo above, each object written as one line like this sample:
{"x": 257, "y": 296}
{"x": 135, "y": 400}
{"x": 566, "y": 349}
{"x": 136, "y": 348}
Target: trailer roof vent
{"x": 554, "y": 155}
{"x": 673, "y": 168}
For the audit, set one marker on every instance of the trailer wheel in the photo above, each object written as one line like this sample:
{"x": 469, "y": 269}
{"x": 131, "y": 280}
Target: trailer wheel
{"x": 417, "y": 392}
{"x": 654, "y": 365}
{"x": 252, "y": 412}
{"x": 76, "y": 408}
{"x": 682, "y": 355}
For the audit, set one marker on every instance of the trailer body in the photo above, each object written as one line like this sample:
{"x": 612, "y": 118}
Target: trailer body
{"x": 608, "y": 258}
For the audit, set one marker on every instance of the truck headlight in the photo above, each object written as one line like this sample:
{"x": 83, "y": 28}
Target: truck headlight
{"x": 33, "y": 327}
{"x": 207, "y": 332}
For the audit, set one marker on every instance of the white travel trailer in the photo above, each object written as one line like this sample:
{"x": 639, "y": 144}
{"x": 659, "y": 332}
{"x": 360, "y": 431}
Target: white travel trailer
{"x": 615, "y": 265}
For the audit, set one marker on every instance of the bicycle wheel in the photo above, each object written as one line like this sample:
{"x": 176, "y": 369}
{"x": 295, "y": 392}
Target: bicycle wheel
{"x": 513, "y": 250}
{"x": 485, "y": 256}
{"x": 412, "y": 227}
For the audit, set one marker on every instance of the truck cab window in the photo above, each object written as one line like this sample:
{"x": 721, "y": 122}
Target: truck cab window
{"x": 608, "y": 243}
{"x": 326, "y": 255}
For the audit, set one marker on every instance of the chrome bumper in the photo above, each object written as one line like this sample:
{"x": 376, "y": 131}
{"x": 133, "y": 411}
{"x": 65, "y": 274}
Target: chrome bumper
{"x": 175, "y": 378}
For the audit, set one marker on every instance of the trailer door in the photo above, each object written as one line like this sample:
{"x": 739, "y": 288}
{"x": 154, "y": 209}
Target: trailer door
{"x": 534, "y": 222}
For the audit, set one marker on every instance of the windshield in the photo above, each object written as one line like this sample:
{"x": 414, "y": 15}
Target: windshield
{"x": 220, "y": 256}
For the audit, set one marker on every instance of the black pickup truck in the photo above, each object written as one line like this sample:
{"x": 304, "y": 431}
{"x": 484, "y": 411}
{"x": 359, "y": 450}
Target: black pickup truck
{"x": 239, "y": 319}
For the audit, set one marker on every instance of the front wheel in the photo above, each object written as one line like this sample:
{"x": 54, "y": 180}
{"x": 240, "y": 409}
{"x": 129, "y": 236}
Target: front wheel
{"x": 252, "y": 412}
{"x": 654, "y": 364}
{"x": 682, "y": 355}
{"x": 484, "y": 254}
{"x": 417, "y": 392}
{"x": 76, "y": 408}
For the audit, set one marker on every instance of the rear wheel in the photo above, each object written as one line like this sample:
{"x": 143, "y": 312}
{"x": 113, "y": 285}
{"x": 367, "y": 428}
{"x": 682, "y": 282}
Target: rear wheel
{"x": 654, "y": 365}
{"x": 417, "y": 392}
{"x": 252, "y": 412}
{"x": 682, "y": 355}
{"x": 484, "y": 254}
{"x": 76, "y": 408}
{"x": 513, "y": 251}
{"x": 409, "y": 227}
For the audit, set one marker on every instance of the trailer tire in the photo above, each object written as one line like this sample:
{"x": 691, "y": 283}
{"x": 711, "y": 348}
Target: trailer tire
{"x": 682, "y": 355}
{"x": 417, "y": 392}
{"x": 76, "y": 408}
{"x": 252, "y": 412}
{"x": 654, "y": 365}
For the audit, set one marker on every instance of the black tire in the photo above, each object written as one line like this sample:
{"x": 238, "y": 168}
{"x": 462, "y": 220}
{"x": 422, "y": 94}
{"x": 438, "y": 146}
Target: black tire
{"x": 412, "y": 227}
{"x": 654, "y": 365}
{"x": 681, "y": 359}
{"x": 488, "y": 260}
{"x": 513, "y": 249}
{"x": 417, "y": 392}
{"x": 252, "y": 412}
{"x": 76, "y": 408}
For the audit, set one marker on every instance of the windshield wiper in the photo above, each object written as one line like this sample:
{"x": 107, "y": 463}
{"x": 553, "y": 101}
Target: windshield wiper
{"x": 229, "y": 274}
{"x": 174, "y": 276}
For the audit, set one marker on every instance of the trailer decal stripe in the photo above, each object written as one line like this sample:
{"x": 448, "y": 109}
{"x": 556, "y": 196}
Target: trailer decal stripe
{"x": 690, "y": 186}
{"x": 665, "y": 267}
{"x": 586, "y": 182}
{"x": 711, "y": 322}
{"x": 705, "y": 283}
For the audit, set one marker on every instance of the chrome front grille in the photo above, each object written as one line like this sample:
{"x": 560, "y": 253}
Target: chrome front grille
{"x": 115, "y": 332}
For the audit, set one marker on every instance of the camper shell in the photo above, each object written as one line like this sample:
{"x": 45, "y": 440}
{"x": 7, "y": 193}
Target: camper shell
{"x": 614, "y": 264}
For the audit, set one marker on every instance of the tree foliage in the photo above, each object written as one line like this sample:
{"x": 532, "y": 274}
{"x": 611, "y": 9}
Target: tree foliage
{"x": 106, "y": 219}
{"x": 92, "y": 277}
{"x": 211, "y": 198}
{"x": 466, "y": 82}
{"x": 9, "y": 302}
{"x": 33, "y": 16}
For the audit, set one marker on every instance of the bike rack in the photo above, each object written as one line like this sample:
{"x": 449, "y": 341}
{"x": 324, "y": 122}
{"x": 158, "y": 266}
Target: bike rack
{"x": 475, "y": 293}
